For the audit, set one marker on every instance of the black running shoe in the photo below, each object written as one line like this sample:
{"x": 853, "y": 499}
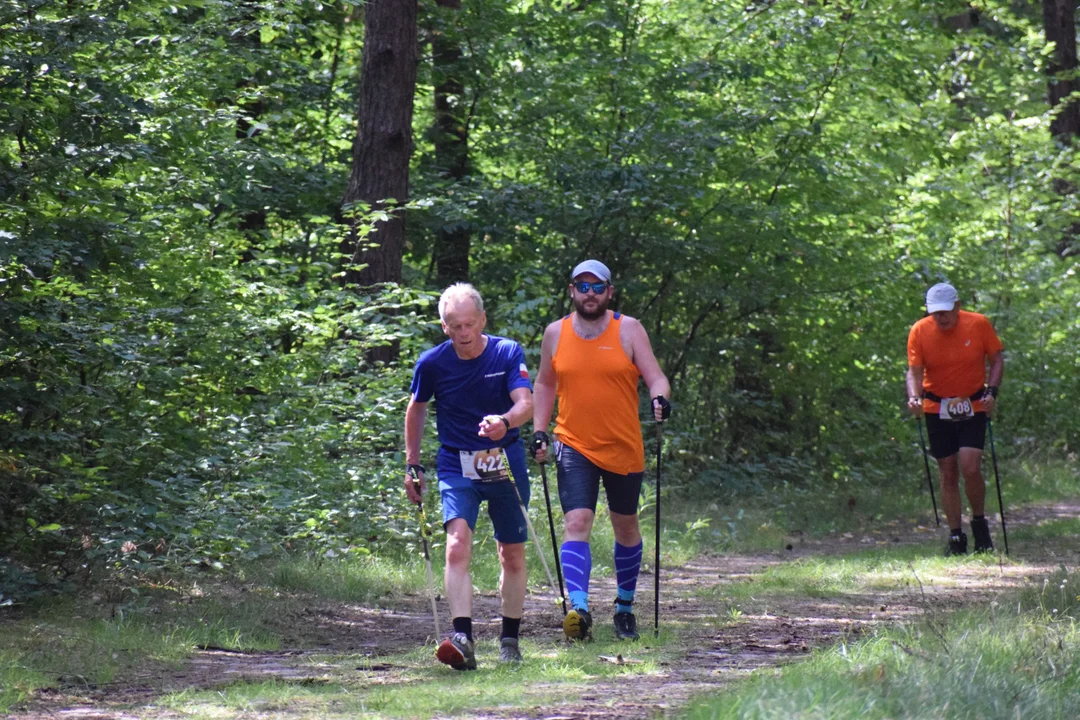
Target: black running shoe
{"x": 625, "y": 626}
{"x": 980, "y": 532}
{"x": 458, "y": 652}
{"x": 957, "y": 545}
{"x": 509, "y": 652}
{"x": 577, "y": 625}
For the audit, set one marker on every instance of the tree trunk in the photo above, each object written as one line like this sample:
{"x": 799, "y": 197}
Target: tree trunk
{"x": 451, "y": 138}
{"x": 1059, "y": 23}
{"x": 247, "y": 38}
{"x": 380, "y": 168}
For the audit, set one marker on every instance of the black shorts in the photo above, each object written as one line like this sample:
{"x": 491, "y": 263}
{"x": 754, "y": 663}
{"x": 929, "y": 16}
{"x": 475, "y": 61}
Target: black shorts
{"x": 948, "y": 436}
{"x": 579, "y": 483}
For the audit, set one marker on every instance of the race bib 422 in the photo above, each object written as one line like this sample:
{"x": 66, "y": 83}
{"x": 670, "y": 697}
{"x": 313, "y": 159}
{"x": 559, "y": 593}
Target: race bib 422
{"x": 484, "y": 465}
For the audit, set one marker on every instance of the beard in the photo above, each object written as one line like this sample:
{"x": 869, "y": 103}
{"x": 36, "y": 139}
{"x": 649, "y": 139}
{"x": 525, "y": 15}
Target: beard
{"x": 594, "y": 314}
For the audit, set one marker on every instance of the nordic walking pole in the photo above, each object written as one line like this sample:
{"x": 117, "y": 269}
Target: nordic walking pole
{"x": 656, "y": 580}
{"x": 997, "y": 479}
{"x": 926, "y": 462}
{"x": 554, "y": 542}
{"x": 427, "y": 560}
{"x": 532, "y": 532}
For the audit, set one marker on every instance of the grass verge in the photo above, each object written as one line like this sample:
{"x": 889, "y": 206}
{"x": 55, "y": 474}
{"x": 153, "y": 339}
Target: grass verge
{"x": 65, "y": 643}
{"x": 1019, "y": 657}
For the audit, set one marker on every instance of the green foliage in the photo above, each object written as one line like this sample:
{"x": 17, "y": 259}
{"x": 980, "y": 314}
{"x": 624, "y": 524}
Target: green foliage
{"x": 185, "y": 382}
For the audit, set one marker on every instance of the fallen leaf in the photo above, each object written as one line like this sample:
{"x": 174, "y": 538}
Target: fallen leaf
{"x": 619, "y": 660}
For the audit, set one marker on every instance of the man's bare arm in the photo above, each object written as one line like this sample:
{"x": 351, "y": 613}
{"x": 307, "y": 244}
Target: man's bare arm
{"x": 646, "y": 361}
{"x": 997, "y": 369}
{"x": 544, "y": 386}
{"x": 415, "y": 417}
{"x": 914, "y": 390}
{"x": 492, "y": 425}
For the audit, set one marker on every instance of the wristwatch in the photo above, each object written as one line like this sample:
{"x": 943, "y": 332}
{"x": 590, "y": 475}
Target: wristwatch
{"x": 505, "y": 422}
{"x": 991, "y": 390}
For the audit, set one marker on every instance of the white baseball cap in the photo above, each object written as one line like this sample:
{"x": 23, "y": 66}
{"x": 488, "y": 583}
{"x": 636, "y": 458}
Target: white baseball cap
{"x": 941, "y": 297}
{"x": 595, "y": 267}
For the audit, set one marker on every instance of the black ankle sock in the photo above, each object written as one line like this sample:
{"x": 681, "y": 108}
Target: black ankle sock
{"x": 464, "y": 625}
{"x": 978, "y": 518}
{"x": 956, "y": 532}
{"x": 510, "y": 627}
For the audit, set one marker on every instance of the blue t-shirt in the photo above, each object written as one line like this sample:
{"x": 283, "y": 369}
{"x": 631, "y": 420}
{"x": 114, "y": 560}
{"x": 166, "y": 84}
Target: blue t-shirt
{"x": 467, "y": 390}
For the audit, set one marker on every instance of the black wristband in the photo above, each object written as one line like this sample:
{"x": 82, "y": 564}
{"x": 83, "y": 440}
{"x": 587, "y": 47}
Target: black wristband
{"x": 505, "y": 422}
{"x": 992, "y": 391}
{"x": 415, "y": 469}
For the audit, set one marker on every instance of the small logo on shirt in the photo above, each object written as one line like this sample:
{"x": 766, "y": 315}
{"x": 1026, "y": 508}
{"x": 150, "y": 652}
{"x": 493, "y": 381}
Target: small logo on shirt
{"x": 495, "y": 374}
{"x": 524, "y": 372}
{"x": 604, "y": 347}
{"x": 967, "y": 343}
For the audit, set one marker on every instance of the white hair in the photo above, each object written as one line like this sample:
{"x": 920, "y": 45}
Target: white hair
{"x": 459, "y": 291}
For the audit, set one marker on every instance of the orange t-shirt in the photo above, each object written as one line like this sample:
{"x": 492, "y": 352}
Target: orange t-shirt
{"x": 596, "y": 385}
{"x": 954, "y": 360}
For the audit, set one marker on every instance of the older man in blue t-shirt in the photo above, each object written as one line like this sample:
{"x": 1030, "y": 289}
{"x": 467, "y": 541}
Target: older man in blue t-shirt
{"x": 483, "y": 395}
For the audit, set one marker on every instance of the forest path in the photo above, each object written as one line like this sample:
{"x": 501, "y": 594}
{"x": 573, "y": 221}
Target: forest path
{"x": 709, "y": 639}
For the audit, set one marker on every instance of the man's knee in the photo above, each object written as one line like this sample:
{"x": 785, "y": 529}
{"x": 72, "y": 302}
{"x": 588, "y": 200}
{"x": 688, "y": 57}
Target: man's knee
{"x": 578, "y": 522}
{"x": 512, "y": 557}
{"x": 619, "y": 521}
{"x": 971, "y": 464}
{"x": 458, "y": 543}
{"x": 950, "y": 468}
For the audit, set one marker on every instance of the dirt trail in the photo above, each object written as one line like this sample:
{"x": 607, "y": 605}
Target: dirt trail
{"x": 767, "y": 633}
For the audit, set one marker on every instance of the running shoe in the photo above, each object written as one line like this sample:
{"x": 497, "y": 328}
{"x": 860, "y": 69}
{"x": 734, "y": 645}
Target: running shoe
{"x": 957, "y": 545}
{"x": 577, "y": 625}
{"x": 625, "y": 626}
{"x": 509, "y": 652}
{"x": 458, "y": 652}
{"x": 980, "y": 532}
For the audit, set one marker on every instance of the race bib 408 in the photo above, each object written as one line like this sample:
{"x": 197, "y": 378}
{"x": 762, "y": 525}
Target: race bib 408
{"x": 957, "y": 408}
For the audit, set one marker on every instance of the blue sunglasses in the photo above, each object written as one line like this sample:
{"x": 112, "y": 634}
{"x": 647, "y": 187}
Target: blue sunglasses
{"x": 598, "y": 288}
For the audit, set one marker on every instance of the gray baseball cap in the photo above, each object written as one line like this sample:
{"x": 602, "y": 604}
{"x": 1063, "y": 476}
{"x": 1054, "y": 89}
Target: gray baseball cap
{"x": 595, "y": 267}
{"x": 941, "y": 297}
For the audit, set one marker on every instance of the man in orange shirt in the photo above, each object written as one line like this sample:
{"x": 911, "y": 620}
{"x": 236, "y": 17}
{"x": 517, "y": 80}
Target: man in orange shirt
{"x": 591, "y": 361}
{"x": 948, "y": 353}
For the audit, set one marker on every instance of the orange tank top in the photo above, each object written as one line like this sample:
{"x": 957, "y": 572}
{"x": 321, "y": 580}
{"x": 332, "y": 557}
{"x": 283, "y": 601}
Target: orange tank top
{"x": 596, "y": 386}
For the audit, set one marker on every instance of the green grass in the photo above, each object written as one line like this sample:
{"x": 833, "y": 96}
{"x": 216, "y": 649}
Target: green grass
{"x": 753, "y": 522}
{"x": 1046, "y": 531}
{"x": 352, "y": 579}
{"x": 552, "y": 674}
{"x": 1018, "y": 658}
{"x": 151, "y": 628}
{"x": 64, "y": 642}
{"x": 859, "y": 571}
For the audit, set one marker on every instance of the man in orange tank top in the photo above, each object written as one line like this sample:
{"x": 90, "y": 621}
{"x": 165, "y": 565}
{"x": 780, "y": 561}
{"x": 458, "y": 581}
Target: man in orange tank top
{"x": 948, "y": 352}
{"x": 591, "y": 361}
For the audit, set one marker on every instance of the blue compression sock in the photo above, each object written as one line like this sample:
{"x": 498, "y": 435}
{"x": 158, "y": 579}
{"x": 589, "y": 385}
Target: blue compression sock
{"x": 577, "y": 566}
{"x": 627, "y": 568}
